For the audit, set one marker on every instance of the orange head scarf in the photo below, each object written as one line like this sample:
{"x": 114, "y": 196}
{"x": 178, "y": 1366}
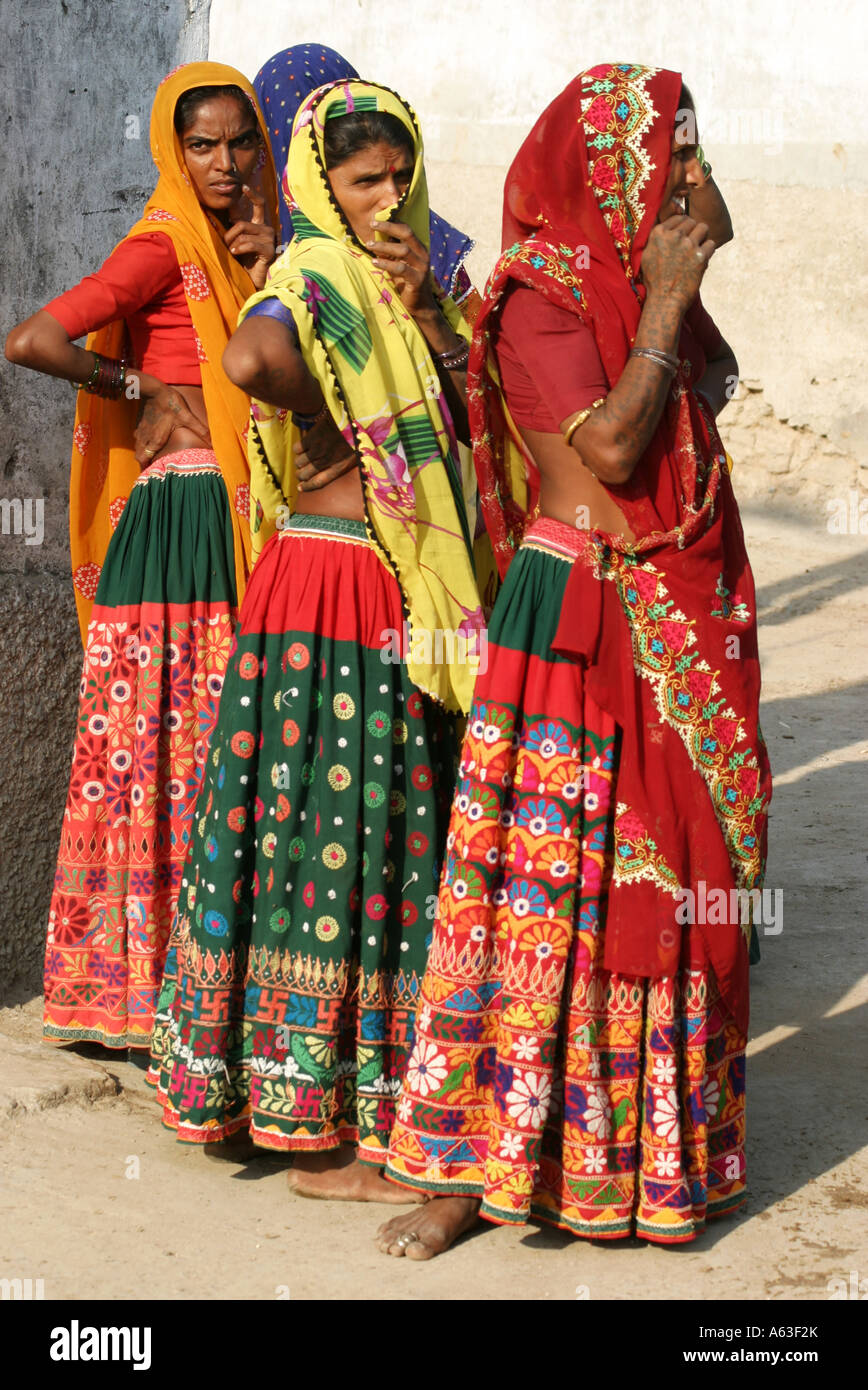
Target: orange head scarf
{"x": 104, "y": 466}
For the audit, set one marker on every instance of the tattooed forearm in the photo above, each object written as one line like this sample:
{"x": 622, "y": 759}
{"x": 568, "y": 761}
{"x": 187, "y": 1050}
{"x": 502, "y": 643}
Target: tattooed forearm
{"x": 634, "y": 407}
{"x": 615, "y": 436}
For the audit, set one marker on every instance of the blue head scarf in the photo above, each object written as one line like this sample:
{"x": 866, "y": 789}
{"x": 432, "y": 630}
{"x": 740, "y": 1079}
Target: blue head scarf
{"x": 282, "y": 84}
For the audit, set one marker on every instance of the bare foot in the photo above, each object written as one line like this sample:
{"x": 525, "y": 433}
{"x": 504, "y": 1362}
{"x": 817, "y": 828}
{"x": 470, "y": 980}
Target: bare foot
{"x": 336, "y": 1175}
{"x": 238, "y": 1148}
{"x": 421, "y": 1234}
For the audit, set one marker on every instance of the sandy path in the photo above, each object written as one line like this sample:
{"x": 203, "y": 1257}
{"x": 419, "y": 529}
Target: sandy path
{"x": 186, "y": 1227}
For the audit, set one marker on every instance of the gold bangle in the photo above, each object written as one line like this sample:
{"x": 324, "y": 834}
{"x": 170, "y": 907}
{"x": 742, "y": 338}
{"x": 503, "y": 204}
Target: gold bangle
{"x": 579, "y": 419}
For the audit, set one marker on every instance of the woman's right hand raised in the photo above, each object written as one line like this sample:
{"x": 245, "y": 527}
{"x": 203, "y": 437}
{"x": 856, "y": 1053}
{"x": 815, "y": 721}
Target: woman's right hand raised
{"x": 675, "y": 258}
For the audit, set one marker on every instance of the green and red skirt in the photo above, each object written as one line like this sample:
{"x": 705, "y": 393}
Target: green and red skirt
{"x": 308, "y": 900}
{"x": 155, "y": 655}
{"x": 539, "y": 1081}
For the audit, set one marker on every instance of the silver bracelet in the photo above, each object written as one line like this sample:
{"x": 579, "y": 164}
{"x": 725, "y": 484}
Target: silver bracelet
{"x": 663, "y": 359}
{"x": 454, "y": 358}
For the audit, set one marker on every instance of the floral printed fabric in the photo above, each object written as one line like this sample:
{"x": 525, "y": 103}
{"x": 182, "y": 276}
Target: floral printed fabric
{"x": 381, "y": 386}
{"x": 540, "y": 1081}
{"x": 153, "y": 671}
{"x": 305, "y": 914}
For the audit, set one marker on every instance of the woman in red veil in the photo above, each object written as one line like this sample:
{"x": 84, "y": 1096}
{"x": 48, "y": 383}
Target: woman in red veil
{"x": 579, "y": 1050}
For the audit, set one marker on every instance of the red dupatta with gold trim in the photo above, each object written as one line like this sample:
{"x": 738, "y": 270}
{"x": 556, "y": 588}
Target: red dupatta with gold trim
{"x": 664, "y": 625}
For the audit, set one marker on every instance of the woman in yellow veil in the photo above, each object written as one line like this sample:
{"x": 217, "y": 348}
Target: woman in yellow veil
{"x": 160, "y": 557}
{"x": 305, "y": 915}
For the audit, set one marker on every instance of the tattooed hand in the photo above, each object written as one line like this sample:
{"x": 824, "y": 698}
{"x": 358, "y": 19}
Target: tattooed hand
{"x": 322, "y": 456}
{"x": 163, "y": 413}
{"x": 675, "y": 258}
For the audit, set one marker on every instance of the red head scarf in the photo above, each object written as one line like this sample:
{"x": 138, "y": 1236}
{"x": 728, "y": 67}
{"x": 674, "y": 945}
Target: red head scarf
{"x": 591, "y": 173}
{"x": 665, "y": 624}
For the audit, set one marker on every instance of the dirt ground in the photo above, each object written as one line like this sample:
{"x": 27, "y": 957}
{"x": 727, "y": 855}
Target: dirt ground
{"x": 99, "y": 1201}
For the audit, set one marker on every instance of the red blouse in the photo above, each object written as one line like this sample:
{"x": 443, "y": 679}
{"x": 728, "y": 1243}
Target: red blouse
{"x": 140, "y": 283}
{"x": 549, "y": 363}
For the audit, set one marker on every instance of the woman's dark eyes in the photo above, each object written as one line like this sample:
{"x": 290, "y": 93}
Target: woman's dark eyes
{"x": 244, "y": 142}
{"x": 372, "y": 179}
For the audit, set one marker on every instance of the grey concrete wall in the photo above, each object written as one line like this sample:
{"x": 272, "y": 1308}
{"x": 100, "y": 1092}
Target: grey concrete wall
{"x": 75, "y": 109}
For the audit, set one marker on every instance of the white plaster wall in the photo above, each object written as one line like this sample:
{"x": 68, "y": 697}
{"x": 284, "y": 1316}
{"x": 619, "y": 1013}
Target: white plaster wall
{"x": 779, "y": 95}
{"x": 782, "y": 116}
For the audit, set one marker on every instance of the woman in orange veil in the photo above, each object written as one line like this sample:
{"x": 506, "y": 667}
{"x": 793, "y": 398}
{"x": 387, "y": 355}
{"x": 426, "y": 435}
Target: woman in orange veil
{"x": 160, "y": 557}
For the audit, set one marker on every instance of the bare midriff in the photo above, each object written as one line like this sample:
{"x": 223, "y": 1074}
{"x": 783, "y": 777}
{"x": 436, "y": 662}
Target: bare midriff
{"x": 342, "y": 498}
{"x": 569, "y": 492}
{"x": 183, "y": 438}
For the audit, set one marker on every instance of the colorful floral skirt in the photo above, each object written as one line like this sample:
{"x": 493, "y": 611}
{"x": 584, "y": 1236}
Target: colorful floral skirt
{"x": 155, "y": 655}
{"x": 539, "y": 1081}
{"x": 307, "y": 904}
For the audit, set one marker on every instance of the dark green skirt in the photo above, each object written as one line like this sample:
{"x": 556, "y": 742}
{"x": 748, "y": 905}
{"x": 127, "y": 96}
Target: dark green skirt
{"x": 308, "y": 898}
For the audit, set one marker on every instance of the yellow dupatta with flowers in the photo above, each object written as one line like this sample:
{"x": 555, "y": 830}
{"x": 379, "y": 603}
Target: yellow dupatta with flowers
{"x": 380, "y": 382}
{"x": 104, "y": 466}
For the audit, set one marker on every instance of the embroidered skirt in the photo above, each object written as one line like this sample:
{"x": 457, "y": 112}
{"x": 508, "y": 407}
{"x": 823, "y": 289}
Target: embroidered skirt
{"x": 307, "y": 904}
{"x": 539, "y": 1081}
{"x": 155, "y": 655}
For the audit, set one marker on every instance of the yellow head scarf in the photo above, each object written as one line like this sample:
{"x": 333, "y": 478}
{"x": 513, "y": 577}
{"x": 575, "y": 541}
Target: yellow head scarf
{"x": 381, "y": 385}
{"x": 104, "y": 467}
